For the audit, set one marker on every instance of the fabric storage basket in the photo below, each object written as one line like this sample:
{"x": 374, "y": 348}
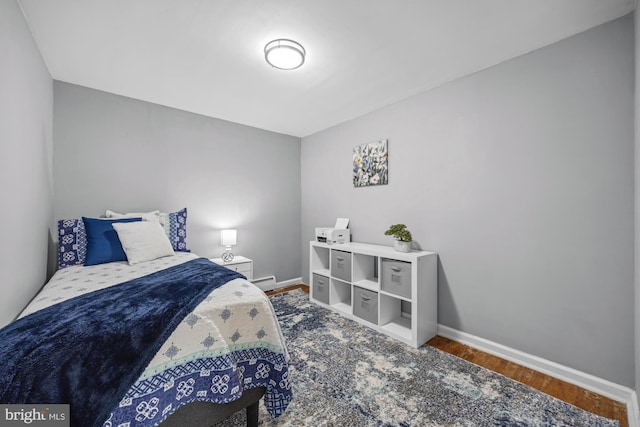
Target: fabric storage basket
{"x": 321, "y": 288}
{"x": 365, "y": 304}
{"x": 396, "y": 277}
{"x": 341, "y": 265}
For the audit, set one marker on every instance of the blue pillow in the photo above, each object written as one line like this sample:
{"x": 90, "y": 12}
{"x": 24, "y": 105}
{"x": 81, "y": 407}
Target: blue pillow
{"x": 103, "y": 244}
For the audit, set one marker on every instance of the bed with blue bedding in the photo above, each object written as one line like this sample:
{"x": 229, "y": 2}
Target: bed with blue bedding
{"x": 128, "y": 345}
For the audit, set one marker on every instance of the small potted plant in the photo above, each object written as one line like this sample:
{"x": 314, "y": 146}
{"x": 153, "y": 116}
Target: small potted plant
{"x": 402, "y": 236}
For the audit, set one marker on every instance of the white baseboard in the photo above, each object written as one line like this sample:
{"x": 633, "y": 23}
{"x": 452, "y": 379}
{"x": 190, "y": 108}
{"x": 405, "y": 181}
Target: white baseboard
{"x": 265, "y": 283}
{"x": 581, "y": 379}
{"x": 289, "y": 282}
{"x": 269, "y": 283}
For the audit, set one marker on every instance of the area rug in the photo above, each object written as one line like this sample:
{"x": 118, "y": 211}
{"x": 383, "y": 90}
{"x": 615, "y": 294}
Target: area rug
{"x": 345, "y": 374}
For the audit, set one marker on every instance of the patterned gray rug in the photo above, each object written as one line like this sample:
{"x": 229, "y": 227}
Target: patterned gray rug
{"x": 345, "y": 374}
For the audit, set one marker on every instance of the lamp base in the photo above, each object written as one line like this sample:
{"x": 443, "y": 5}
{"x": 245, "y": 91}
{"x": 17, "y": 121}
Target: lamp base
{"x": 227, "y": 256}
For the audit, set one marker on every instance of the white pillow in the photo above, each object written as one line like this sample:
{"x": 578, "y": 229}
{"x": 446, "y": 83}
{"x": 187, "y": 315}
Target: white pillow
{"x": 143, "y": 241}
{"x": 146, "y": 216}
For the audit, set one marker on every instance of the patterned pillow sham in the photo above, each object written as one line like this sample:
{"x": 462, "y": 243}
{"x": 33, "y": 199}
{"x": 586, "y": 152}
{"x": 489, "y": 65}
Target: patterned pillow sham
{"x": 175, "y": 225}
{"x": 72, "y": 242}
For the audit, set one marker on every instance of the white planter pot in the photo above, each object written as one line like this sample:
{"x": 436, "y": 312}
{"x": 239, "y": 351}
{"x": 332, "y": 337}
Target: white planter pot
{"x": 402, "y": 246}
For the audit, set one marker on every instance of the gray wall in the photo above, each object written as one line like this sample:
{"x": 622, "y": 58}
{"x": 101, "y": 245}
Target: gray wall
{"x": 26, "y": 109}
{"x": 521, "y": 177}
{"x": 117, "y": 153}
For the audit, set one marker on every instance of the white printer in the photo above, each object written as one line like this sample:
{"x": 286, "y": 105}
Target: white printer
{"x": 338, "y": 234}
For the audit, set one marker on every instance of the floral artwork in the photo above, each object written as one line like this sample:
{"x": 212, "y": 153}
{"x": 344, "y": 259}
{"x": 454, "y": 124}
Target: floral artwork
{"x": 370, "y": 164}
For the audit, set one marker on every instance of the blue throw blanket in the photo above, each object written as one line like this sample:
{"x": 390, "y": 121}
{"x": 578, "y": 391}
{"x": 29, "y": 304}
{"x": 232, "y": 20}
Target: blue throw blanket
{"x": 87, "y": 351}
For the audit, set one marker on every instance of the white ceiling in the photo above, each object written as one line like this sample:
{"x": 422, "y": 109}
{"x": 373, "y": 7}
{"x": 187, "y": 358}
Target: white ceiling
{"x": 206, "y": 56}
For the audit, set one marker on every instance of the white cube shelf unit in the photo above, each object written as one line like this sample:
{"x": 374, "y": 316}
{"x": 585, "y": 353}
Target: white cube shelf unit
{"x": 393, "y": 292}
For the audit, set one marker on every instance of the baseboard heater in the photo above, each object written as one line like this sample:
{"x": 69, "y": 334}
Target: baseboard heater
{"x": 265, "y": 283}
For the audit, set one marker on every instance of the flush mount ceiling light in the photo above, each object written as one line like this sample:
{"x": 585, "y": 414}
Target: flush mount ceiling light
{"x": 284, "y": 54}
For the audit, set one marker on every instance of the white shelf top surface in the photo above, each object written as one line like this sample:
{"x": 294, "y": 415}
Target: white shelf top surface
{"x": 375, "y": 250}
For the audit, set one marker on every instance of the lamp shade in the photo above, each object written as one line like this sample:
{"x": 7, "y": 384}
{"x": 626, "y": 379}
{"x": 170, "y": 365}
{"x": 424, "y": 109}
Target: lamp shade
{"x": 228, "y": 237}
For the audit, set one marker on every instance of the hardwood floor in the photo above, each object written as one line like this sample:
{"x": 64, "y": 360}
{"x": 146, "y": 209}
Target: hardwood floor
{"x": 567, "y": 392}
{"x": 305, "y": 288}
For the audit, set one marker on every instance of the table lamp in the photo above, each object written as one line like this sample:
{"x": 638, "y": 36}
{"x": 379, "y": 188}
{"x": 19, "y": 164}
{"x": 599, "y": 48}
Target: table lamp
{"x": 227, "y": 239}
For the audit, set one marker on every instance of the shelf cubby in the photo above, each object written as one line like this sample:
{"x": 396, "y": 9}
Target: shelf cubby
{"x": 365, "y": 271}
{"x": 392, "y": 317}
{"x": 340, "y": 295}
{"x": 320, "y": 260}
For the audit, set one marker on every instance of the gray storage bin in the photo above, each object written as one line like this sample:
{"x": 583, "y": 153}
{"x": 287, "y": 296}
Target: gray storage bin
{"x": 365, "y": 304}
{"x": 341, "y": 265}
{"x": 396, "y": 277}
{"x": 321, "y": 288}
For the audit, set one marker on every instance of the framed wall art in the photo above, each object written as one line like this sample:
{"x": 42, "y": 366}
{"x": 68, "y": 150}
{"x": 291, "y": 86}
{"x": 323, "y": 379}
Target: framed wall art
{"x": 370, "y": 164}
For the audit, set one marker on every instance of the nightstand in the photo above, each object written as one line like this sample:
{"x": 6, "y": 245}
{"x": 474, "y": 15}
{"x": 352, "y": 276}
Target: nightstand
{"x": 242, "y": 265}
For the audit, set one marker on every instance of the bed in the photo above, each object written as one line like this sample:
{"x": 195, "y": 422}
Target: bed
{"x": 206, "y": 350}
